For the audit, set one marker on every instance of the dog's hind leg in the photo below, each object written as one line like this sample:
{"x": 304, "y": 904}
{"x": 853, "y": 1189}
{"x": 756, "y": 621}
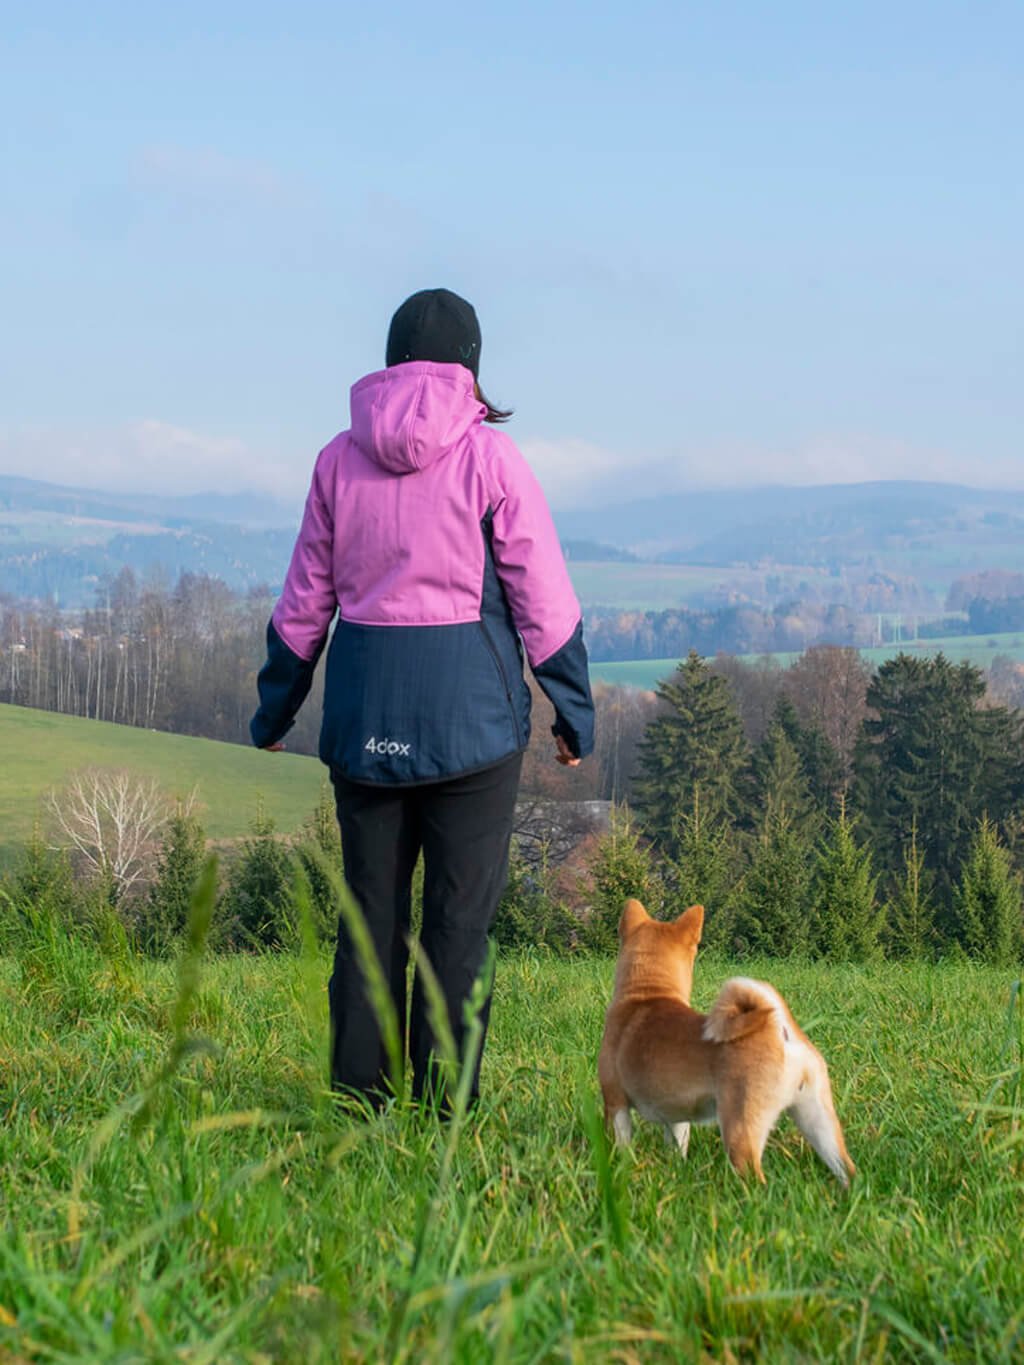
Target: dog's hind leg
{"x": 813, "y": 1114}
{"x": 678, "y": 1135}
{"x": 745, "y": 1130}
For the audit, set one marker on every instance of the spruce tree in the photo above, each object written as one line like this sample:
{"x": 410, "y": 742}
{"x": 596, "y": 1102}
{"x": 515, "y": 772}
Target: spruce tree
{"x": 163, "y": 916}
{"x": 619, "y": 868}
{"x": 322, "y": 825}
{"x": 930, "y": 749}
{"x": 910, "y": 927}
{"x": 845, "y": 917}
{"x": 821, "y": 762}
{"x": 773, "y": 912}
{"x": 778, "y": 785}
{"x": 704, "y": 872}
{"x": 696, "y": 741}
{"x": 987, "y": 901}
{"x": 256, "y": 909}
{"x": 319, "y": 848}
{"x": 40, "y": 887}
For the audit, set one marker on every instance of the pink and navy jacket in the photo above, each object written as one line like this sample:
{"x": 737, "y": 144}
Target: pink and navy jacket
{"x": 428, "y": 543}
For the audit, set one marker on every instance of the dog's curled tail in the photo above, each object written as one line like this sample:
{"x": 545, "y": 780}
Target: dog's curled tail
{"x": 742, "y": 1006}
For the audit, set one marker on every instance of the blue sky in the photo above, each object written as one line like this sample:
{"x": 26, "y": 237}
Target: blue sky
{"x": 709, "y": 244}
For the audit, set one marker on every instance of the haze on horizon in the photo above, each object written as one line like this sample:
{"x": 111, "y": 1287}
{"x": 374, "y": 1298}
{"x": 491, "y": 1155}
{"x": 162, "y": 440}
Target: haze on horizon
{"x": 709, "y": 247}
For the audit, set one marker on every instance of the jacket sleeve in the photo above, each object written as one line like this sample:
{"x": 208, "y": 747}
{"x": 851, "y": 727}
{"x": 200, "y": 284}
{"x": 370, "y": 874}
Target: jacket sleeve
{"x": 301, "y": 620}
{"x": 530, "y": 564}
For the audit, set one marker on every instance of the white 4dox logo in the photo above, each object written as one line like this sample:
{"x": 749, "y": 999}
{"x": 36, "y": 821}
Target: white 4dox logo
{"x": 387, "y": 748}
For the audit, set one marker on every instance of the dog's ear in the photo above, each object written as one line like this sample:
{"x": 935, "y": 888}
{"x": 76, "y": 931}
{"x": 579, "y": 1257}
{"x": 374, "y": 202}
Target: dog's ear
{"x": 691, "y": 923}
{"x": 633, "y": 913}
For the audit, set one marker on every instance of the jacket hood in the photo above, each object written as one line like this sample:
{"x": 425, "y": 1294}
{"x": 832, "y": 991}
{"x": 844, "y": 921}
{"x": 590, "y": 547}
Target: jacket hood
{"x": 406, "y": 417}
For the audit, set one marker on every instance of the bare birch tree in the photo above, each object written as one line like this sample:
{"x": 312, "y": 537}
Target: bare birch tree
{"x": 112, "y": 819}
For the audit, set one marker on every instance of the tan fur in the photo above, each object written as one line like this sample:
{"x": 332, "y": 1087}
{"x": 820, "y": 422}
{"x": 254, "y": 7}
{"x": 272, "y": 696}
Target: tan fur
{"x": 742, "y": 1065}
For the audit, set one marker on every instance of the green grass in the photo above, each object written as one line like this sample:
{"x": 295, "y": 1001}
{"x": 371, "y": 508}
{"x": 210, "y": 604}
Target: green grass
{"x": 40, "y": 749}
{"x": 976, "y": 649}
{"x": 239, "y": 1217}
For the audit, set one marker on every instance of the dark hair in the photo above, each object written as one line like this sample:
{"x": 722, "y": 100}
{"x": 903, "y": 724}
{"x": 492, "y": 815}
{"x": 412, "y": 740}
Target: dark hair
{"x": 493, "y": 414}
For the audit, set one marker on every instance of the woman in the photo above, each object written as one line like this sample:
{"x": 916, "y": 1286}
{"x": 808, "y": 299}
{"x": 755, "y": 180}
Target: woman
{"x": 429, "y": 537}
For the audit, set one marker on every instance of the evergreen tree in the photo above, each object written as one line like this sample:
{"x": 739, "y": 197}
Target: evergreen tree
{"x": 910, "y": 929}
{"x": 846, "y": 921}
{"x": 163, "y": 915}
{"x": 704, "y": 872}
{"x": 40, "y": 887}
{"x": 256, "y": 909}
{"x": 529, "y": 914}
{"x": 619, "y": 868}
{"x": 930, "y": 749}
{"x": 321, "y": 828}
{"x": 773, "y": 912}
{"x": 318, "y": 849}
{"x": 778, "y": 786}
{"x": 987, "y": 901}
{"x": 696, "y": 741}
{"x": 820, "y": 760}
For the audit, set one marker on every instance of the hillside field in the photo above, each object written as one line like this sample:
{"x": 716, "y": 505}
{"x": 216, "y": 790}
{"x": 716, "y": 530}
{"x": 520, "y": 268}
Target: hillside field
{"x": 975, "y": 649}
{"x": 40, "y": 749}
{"x": 649, "y": 586}
{"x": 237, "y": 1215}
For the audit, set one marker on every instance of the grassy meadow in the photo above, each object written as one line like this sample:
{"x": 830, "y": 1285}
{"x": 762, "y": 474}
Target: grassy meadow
{"x": 40, "y": 749}
{"x": 980, "y": 650}
{"x": 177, "y": 1185}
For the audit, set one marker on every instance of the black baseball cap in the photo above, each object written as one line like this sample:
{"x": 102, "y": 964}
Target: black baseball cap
{"x": 437, "y": 325}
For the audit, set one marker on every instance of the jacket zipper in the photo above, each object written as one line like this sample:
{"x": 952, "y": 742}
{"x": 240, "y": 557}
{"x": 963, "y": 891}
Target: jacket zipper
{"x": 489, "y": 641}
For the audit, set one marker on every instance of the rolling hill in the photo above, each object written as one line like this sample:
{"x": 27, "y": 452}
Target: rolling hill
{"x": 40, "y": 750}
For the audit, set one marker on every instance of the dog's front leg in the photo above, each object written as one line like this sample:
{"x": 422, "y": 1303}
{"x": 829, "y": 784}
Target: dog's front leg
{"x": 622, "y": 1127}
{"x": 678, "y": 1134}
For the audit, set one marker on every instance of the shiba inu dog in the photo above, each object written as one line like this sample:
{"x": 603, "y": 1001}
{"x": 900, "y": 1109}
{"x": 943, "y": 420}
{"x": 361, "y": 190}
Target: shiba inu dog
{"x": 742, "y": 1065}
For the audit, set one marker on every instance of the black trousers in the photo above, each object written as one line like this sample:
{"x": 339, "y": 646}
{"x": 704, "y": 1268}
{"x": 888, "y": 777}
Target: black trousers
{"x": 463, "y": 827}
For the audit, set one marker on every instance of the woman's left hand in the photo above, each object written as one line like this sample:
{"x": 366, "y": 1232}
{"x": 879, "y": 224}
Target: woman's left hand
{"x": 565, "y": 755}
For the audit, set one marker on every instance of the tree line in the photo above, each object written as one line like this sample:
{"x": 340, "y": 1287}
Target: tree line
{"x": 800, "y": 847}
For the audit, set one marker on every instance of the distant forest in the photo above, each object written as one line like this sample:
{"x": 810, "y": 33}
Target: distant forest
{"x": 184, "y": 659}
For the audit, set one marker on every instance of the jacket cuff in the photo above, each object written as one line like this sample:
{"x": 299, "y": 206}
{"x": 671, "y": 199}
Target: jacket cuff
{"x": 565, "y": 681}
{"x": 283, "y": 684}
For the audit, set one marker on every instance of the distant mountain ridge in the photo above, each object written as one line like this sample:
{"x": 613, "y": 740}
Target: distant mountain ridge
{"x": 237, "y": 509}
{"x": 58, "y": 543}
{"x": 719, "y": 526}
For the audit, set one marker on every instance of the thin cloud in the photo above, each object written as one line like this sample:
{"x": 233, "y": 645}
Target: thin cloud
{"x": 206, "y": 174}
{"x": 148, "y": 456}
{"x": 156, "y": 456}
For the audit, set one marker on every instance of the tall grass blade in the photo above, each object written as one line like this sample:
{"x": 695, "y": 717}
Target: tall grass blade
{"x": 613, "y": 1212}
{"x": 446, "y": 1053}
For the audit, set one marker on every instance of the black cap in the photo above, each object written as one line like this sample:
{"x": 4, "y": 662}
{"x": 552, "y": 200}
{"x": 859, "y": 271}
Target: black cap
{"x": 437, "y": 325}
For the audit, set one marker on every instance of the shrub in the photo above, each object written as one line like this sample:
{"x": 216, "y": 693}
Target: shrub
{"x": 39, "y": 888}
{"x": 620, "y": 866}
{"x": 317, "y": 851}
{"x": 529, "y": 916}
{"x": 162, "y": 916}
{"x": 256, "y": 907}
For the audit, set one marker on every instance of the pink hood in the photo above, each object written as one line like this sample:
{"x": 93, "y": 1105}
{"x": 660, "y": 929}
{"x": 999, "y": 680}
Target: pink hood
{"x": 406, "y": 417}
